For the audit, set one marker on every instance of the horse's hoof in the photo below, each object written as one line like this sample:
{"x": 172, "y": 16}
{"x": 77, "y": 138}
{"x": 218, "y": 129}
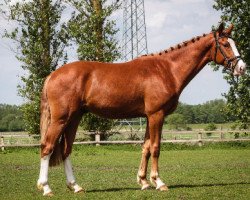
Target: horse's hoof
{"x": 163, "y": 188}
{"x": 49, "y": 194}
{"x": 145, "y": 187}
{"x": 75, "y": 187}
{"x": 39, "y": 187}
{"x": 79, "y": 190}
{"x": 45, "y": 188}
{"x": 143, "y": 183}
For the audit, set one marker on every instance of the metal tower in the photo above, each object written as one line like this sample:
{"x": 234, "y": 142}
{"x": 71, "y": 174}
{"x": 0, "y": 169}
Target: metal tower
{"x": 134, "y": 42}
{"x": 134, "y": 30}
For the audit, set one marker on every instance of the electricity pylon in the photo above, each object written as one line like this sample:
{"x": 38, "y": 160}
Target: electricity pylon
{"x": 134, "y": 41}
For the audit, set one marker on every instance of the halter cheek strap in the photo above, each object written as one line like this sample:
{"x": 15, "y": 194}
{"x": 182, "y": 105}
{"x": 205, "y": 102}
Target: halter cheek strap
{"x": 228, "y": 60}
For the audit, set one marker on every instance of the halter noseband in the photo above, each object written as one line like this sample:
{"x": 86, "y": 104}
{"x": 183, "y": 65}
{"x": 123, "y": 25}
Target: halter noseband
{"x": 228, "y": 60}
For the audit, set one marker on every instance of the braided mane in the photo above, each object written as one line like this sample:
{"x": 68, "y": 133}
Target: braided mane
{"x": 178, "y": 46}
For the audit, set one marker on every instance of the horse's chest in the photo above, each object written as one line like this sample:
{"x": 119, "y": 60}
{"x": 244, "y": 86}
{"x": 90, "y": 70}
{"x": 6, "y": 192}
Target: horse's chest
{"x": 160, "y": 97}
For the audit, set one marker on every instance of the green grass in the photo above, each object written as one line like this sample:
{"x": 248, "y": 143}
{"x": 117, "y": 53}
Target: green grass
{"x": 109, "y": 172}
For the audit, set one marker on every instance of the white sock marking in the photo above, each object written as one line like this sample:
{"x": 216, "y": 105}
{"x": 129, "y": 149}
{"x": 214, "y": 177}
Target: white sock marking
{"x": 70, "y": 176}
{"x": 69, "y": 171}
{"x": 159, "y": 183}
{"x": 44, "y": 170}
{"x": 43, "y": 176}
{"x": 46, "y": 190}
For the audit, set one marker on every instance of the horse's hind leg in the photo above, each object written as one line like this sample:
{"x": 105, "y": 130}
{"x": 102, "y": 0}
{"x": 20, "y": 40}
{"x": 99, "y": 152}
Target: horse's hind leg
{"x": 48, "y": 144}
{"x": 69, "y": 135}
{"x": 142, "y": 173}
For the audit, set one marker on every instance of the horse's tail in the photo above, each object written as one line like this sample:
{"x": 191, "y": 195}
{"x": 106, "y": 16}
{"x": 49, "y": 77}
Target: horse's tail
{"x": 45, "y": 116}
{"x": 56, "y": 156}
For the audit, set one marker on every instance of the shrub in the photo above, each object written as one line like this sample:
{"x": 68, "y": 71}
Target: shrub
{"x": 210, "y": 127}
{"x": 176, "y": 121}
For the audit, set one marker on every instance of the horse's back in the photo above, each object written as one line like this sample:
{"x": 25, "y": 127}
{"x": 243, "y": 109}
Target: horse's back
{"x": 99, "y": 87}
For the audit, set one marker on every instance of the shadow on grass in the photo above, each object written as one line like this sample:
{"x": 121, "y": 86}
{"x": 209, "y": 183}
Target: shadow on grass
{"x": 205, "y": 185}
{"x": 170, "y": 187}
{"x": 113, "y": 190}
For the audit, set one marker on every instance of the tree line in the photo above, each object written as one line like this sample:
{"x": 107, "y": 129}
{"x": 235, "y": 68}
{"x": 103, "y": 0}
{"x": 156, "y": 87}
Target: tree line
{"x": 210, "y": 112}
{"x": 11, "y": 117}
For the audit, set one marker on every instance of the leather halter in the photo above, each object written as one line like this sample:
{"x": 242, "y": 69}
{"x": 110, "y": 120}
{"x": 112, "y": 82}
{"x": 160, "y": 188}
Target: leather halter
{"x": 228, "y": 60}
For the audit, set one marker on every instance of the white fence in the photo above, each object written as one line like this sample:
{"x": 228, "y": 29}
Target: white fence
{"x": 199, "y": 137}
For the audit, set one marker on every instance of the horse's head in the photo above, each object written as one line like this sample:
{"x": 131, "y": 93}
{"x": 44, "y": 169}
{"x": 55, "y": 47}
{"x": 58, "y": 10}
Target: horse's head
{"x": 224, "y": 51}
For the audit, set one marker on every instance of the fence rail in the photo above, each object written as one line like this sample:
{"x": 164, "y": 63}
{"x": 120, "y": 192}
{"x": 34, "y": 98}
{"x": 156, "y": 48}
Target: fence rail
{"x": 199, "y": 137}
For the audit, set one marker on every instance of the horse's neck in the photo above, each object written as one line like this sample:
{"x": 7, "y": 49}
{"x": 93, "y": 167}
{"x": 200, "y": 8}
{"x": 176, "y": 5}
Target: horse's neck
{"x": 187, "y": 61}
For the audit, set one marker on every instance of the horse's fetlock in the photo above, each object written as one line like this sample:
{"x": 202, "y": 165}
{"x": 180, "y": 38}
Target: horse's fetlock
{"x": 154, "y": 175}
{"x": 141, "y": 175}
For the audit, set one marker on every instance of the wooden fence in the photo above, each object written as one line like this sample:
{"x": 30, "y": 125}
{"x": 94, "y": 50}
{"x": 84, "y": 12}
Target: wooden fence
{"x": 198, "y": 137}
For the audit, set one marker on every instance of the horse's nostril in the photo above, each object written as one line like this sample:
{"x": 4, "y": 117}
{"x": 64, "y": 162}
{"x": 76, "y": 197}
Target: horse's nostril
{"x": 242, "y": 69}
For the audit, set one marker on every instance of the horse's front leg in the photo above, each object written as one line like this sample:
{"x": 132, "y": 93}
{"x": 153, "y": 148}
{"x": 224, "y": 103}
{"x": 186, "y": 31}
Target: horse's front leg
{"x": 142, "y": 172}
{"x": 155, "y": 128}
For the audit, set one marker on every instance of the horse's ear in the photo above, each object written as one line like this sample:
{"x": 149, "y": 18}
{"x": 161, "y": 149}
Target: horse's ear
{"x": 221, "y": 28}
{"x": 228, "y": 31}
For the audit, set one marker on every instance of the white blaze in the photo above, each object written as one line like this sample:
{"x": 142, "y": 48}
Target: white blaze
{"x": 241, "y": 66}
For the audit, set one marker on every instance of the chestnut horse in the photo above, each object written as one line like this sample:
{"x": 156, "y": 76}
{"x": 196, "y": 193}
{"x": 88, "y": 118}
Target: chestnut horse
{"x": 148, "y": 86}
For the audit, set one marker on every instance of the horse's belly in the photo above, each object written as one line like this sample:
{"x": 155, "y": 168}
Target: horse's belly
{"x": 116, "y": 108}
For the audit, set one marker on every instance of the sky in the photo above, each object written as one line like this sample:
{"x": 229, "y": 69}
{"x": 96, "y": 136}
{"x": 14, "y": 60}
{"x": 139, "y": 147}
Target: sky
{"x": 168, "y": 22}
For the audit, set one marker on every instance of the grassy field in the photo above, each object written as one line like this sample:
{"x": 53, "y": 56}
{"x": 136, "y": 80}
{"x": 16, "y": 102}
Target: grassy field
{"x": 109, "y": 172}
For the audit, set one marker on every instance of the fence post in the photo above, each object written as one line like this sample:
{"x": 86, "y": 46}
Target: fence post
{"x": 221, "y": 135}
{"x": 97, "y": 138}
{"x": 200, "y": 139}
{"x": 2, "y": 143}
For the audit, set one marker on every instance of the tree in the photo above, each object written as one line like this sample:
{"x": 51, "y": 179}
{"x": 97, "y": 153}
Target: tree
{"x": 211, "y": 111}
{"x": 176, "y": 121}
{"x": 187, "y": 111}
{"x": 41, "y": 39}
{"x": 210, "y": 127}
{"x": 238, "y": 104}
{"x": 93, "y": 32}
{"x": 10, "y": 118}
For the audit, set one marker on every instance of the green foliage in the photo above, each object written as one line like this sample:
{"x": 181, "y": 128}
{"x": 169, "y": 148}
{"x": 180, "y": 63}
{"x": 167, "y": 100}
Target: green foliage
{"x": 210, "y": 127}
{"x": 31, "y": 116}
{"x": 209, "y": 112}
{"x": 176, "y": 121}
{"x": 94, "y": 33}
{"x": 238, "y": 104}
{"x": 98, "y": 124}
{"x": 10, "y": 118}
{"x": 40, "y": 38}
